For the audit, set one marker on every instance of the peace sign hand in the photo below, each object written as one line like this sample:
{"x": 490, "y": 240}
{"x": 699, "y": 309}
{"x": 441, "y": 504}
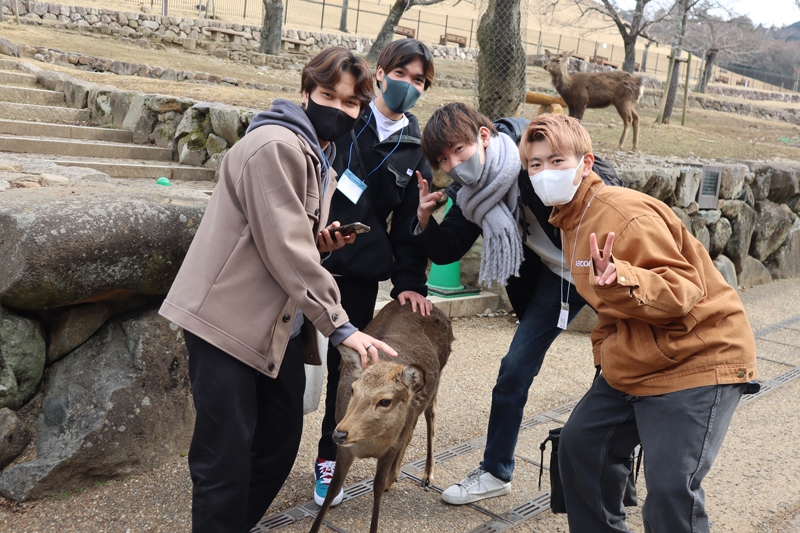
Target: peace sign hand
{"x": 426, "y": 201}
{"x": 605, "y": 271}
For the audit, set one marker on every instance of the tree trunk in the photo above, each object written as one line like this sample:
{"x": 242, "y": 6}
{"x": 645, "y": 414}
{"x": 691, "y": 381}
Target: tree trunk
{"x": 387, "y": 31}
{"x": 677, "y": 44}
{"x": 501, "y": 60}
{"x": 705, "y": 76}
{"x": 644, "y": 56}
{"x": 271, "y": 27}
{"x": 630, "y": 54}
{"x": 343, "y": 20}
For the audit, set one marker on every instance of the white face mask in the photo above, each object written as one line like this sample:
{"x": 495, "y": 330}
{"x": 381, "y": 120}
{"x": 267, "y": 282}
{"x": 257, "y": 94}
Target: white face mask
{"x": 555, "y": 187}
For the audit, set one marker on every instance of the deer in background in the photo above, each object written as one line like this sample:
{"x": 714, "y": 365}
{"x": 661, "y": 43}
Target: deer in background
{"x": 597, "y": 90}
{"x": 377, "y": 407}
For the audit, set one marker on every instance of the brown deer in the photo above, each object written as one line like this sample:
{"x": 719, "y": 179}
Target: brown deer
{"x": 378, "y": 406}
{"x": 597, "y": 90}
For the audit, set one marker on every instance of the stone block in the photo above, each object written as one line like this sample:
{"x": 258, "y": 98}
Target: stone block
{"x": 772, "y": 225}
{"x": 215, "y": 144}
{"x": 14, "y": 436}
{"x": 753, "y": 273}
{"x": 191, "y": 150}
{"x": 732, "y": 180}
{"x": 743, "y": 219}
{"x": 784, "y": 184}
{"x": 226, "y": 123}
{"x": 719, "y": 233}
{"x": 726, "y": 267}
{"x": 687, "y": 185}
{"x": 22, "y": 356}
{"x": 784, "y": 263}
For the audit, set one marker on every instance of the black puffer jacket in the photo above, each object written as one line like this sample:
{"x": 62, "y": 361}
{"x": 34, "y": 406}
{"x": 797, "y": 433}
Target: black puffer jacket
{"x": 391, "y": 196}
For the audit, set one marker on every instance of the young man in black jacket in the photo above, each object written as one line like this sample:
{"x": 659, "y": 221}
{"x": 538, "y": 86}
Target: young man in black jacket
{"x": 377, "y": 169}
{"x": 538, "y": 289}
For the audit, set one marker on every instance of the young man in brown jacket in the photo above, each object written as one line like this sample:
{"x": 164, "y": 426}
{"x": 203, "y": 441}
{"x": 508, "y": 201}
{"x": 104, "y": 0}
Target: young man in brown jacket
{"x": 252, "y": 293}
{"x": 673, "y": 342}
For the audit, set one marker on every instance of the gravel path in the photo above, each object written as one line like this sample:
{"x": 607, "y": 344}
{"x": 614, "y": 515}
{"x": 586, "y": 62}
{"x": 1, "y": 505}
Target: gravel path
{"x": 752, "y": 487}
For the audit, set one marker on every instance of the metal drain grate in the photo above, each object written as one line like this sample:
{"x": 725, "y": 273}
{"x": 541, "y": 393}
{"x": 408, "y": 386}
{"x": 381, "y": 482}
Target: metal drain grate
{"x": 771, "y": 385}
{"x": 777, "y": 326}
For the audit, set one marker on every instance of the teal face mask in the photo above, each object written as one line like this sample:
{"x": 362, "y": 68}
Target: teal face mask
{"x": 399, "y": 96}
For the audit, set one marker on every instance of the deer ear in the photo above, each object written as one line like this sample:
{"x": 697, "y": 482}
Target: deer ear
{"x": 351, "y": 358}
{"x": 547, "y": 53}
{"x": 569, "y": 54}
{"x": 414, "y": 378}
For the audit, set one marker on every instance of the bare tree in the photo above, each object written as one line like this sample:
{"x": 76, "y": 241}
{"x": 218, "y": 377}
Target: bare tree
{"x": 271, "y": 27}
{"x": 630, "y": 24}
{"x": 395, "y": 14}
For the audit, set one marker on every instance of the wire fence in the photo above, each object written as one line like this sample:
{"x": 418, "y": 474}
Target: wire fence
{"x": 366, "y": 17}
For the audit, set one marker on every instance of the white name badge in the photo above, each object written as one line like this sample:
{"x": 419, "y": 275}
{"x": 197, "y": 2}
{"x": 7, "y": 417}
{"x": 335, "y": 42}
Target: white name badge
{"x": 351, "y": 186}
{"x": 563, "y": 316}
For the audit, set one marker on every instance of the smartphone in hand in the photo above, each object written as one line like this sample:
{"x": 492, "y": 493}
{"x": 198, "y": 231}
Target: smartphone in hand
{"x": 355, "y": 227}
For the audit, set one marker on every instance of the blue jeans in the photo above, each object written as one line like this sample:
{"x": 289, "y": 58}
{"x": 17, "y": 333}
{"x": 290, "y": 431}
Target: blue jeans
{"x": 537, "y": 329}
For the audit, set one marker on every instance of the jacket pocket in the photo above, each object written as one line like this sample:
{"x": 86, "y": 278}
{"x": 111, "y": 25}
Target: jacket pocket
{"x": 400, "y": 178}
{"x": 649, "y": 345}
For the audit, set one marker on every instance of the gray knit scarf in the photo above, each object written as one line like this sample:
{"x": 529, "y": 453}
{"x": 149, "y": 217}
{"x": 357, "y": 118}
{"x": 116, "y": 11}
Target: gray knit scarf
{"x": 492, "y": 204}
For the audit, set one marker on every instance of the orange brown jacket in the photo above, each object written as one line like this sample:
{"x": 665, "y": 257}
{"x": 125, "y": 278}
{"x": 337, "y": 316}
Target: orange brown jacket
{"x": 670, "y": 321}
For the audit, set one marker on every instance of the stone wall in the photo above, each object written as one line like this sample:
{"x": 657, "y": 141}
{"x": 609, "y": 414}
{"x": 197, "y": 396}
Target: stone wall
{"x": 789, "y": 115}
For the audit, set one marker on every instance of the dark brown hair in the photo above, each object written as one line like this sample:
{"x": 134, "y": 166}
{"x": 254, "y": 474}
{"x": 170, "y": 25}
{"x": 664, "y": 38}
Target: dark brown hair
{"x": 402, "y": 52}
{"x": 327, "y": 67}
{"x": 450, "y": 125}
{"x": 564, "y": 135}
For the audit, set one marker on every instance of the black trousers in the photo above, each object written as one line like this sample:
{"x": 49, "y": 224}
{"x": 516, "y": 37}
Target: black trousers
{"x": 358, "y": 300}
{"x": 246, "y": 435}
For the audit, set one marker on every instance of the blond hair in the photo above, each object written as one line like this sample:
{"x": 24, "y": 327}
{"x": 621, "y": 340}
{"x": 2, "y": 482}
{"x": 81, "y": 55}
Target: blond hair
{"x": 564, "y": 135}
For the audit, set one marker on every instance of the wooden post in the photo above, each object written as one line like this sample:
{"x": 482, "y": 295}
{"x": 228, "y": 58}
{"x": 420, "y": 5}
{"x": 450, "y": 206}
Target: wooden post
{"x": 471, "y": 25}
{"x": 285, "y": 11}
{"x": 655, "y": 69}
{"x": 322, "y": 18}
{"x": 686, "y": 89}
{"x": 666, "y": 89}
{"x": 558, "y": 50}
{"x": 446, "y": 20}
{"x": 578, "y": 48}
{"x": 419, "y": 17}
{"x": 358, "y": 12}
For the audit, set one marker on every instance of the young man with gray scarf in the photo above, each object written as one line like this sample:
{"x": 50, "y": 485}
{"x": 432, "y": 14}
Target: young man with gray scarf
{"x": 492, "y": 196}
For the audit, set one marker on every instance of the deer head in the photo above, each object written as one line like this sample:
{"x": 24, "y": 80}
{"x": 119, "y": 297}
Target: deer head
{"x": 378, "y": 407}
{"x": 557, "y": 64}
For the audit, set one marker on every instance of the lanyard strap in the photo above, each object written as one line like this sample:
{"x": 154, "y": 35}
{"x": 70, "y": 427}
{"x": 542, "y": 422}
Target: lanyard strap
{"x": 574, "y": 247}
{"x": 358, "y": 149}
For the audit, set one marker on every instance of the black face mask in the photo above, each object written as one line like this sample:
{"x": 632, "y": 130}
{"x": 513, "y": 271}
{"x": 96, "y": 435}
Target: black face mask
{"x": 329, "y": 123}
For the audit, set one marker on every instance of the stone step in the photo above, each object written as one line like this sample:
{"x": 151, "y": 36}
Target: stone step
{"x": 41, "y": 113}
{"x": 63, "y": 131}
{"x": 17, "y": 78}
{"x": 142, "y": 169}
{"x": 9, "y": 64}
{"x": 82, "y": 148}
{"x": 26, "y": 95}
{"x": 459, "y": 306}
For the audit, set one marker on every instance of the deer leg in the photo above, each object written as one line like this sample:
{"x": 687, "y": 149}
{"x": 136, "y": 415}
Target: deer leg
{"x": 397, "y": 462}
{"x": 430, "y": 464}
{"x": 626, "y": 123}
{"x": 344, "y": 460}
{"x": 379, "y": 486}
{"x": 635, "y": 129}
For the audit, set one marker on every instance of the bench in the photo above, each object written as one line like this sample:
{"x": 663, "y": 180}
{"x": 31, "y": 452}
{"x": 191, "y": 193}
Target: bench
{"x": 294, "y": 44}
{"x": 453, "y": 38}
{"x": 578, "y": 56}
{"x": 598, "y": 60}
{"x": 615, "y": 66}
{"x": 636, "y": 67}
{"x": 741, "y": 82}
{"x": 722, "y": 79}
{"x": 219, "y": 31}
{"x": 409, "y": 33}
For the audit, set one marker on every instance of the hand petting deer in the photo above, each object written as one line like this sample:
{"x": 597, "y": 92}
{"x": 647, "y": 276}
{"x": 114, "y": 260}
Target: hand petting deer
{"x": 378, "y": 406}
{"x": 597, "y": 90}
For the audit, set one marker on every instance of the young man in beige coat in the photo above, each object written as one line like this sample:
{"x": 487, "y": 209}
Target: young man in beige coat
{"x": 674, "y": 344}
{"x": 252, "y": 293}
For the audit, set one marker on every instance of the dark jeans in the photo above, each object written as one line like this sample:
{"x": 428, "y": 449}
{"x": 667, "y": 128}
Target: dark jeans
{"x": 358, "y": 300}
{"x": 537, "y": 329}
{"x": 680, "y": 433}
{"x": 246, "y": 435}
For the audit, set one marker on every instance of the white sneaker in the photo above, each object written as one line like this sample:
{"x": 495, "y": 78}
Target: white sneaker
{"x": 478, "y": 484}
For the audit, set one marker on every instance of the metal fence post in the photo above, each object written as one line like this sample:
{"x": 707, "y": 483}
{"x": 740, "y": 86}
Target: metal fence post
{"x": 164, "y": 8}
{"x": 322, "y": 18}
{"x": 558, "y": 50}
{"x": 655, "y": 69}
{"x": 611, "y": 55}
{"x": 471, "y": 25}
{"x": 244, "y": 15}
{"x": 358, "y": 12}
{"x": 446, "y": 20}
{"x": 285, "y": 10}
{"x": 578, "y": 48}
{"x": 419, "y": 16}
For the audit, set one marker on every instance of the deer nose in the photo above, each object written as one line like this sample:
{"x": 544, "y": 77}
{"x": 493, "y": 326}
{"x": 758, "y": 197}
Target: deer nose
{"x": 339, "y": 436}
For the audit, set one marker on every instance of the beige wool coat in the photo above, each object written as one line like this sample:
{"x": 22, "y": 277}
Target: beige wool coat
{"x": 254, "y": 259}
